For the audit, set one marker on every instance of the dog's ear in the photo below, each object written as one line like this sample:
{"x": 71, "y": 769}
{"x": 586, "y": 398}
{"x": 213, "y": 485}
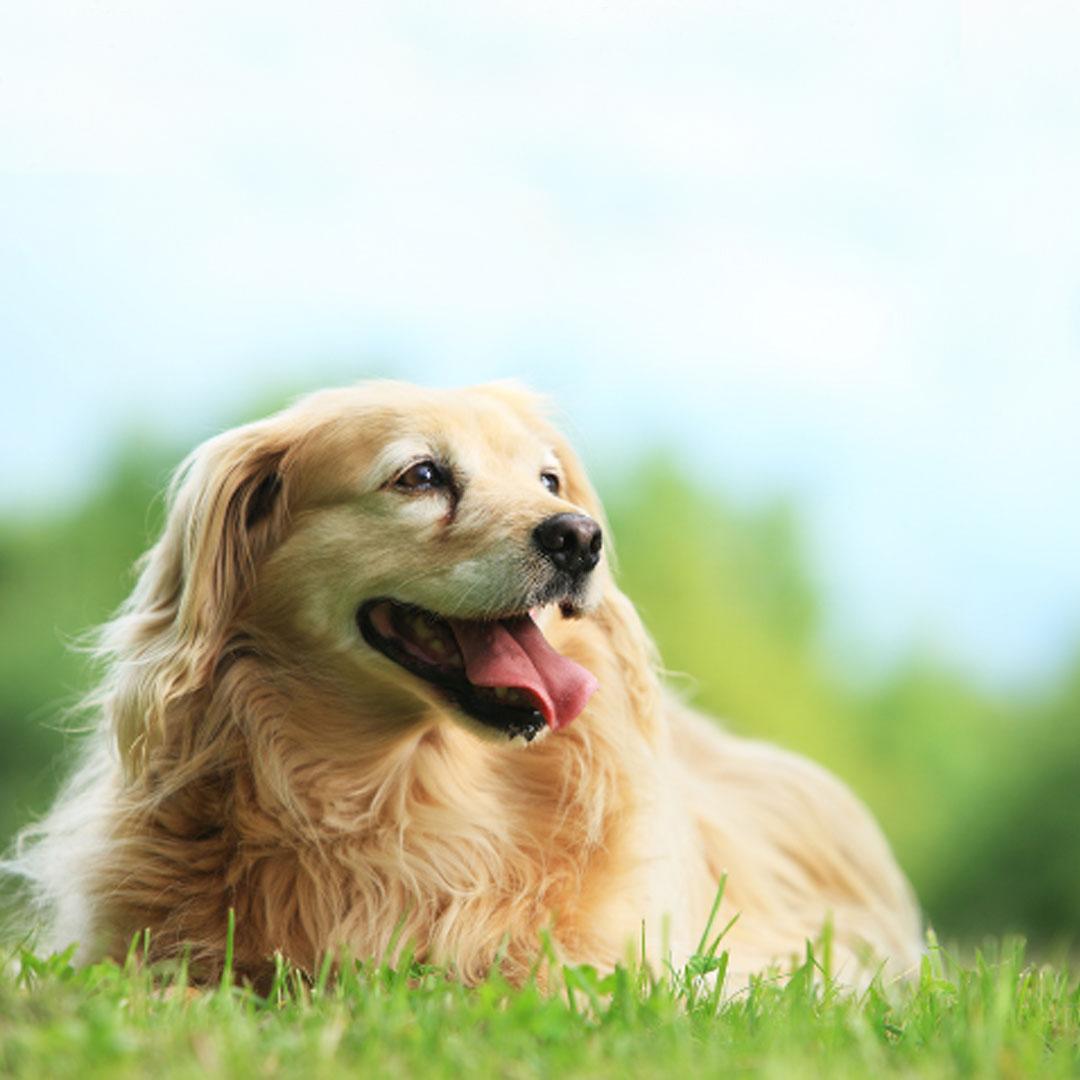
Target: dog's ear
{"x": 227, "y": 507}
{"x": 232, "y": 506}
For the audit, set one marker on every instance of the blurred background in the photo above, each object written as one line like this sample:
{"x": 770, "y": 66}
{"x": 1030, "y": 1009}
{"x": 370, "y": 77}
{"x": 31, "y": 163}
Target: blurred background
{"x": 803, "y": 278}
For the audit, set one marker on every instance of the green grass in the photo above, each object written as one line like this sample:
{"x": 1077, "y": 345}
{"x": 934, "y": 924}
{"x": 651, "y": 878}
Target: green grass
{"x": 997, "y": 1016}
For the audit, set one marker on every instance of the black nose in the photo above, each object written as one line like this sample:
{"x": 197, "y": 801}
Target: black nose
{"x": 571, "y": 541}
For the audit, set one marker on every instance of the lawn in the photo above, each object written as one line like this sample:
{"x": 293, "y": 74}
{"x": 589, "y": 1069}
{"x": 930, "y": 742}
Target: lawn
{"x": 995, "y": 1016}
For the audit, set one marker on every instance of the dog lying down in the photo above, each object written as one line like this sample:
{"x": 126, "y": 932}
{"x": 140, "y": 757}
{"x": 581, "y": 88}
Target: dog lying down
{"x": 375, "y": 683}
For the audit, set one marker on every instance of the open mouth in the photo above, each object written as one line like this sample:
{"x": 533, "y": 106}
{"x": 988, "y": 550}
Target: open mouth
{"x": 501, "y": 672}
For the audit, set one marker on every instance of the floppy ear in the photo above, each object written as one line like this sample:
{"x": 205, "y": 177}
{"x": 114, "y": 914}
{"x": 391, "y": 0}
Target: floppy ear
{"x": 231, "y": 506}
{"x": 227, "y": 506}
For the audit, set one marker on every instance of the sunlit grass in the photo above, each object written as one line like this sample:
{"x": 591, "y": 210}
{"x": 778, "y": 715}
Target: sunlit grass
{"x": 997, "y": 1016}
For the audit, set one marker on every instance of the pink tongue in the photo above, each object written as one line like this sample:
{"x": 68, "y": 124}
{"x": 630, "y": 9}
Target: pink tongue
{"x": 514, "y": 653}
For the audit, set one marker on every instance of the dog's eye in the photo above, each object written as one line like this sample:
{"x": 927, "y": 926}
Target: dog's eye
{"x": 423, "y": 476}
{"x": 550, "y": 481}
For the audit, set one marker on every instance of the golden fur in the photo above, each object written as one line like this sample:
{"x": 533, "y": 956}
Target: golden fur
{"x": 255, "y": 753}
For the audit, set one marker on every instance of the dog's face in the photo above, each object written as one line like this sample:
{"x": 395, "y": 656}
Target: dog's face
{"x": 425, "y": 537}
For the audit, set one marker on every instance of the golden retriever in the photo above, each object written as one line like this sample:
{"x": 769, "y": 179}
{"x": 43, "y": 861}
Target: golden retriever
{"x": 375, "y": 683}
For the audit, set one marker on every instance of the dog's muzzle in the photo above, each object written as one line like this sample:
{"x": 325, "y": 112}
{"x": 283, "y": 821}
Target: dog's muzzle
{"x": 500, "y": 671}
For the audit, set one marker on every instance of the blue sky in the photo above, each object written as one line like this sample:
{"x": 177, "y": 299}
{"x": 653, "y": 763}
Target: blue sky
{"x": 829, "y": 250}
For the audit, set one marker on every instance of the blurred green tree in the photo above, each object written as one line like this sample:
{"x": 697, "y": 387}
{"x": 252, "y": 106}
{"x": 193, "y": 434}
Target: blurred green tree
{"x": 966, "y": 783}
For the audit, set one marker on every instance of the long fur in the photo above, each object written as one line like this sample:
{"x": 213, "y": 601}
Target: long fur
{"x": 254, "y": 753}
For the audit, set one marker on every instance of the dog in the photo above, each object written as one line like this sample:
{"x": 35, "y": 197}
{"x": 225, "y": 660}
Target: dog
{"x": 376, "y": 684}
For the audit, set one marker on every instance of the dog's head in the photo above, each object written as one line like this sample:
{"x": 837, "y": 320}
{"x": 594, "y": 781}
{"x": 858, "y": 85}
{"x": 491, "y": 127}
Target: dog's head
{"x": 397, "y": 546}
